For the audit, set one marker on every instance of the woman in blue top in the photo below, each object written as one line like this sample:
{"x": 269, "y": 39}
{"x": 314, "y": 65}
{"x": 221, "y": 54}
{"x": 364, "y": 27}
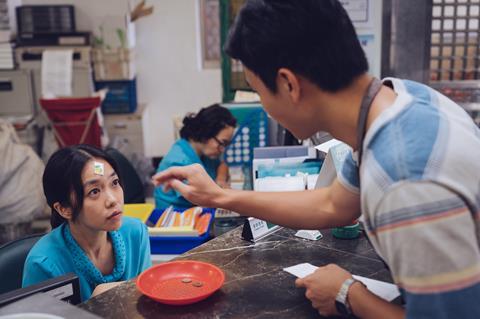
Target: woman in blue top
{"x": 204, "y": 137}
{"x": 89, "y": 235}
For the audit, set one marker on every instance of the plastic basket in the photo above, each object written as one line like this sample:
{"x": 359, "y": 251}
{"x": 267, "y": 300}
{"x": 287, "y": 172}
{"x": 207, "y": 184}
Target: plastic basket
{"x": 252, "y": 132}
{"x": 121, "y": 96}
{"x": 173, "y": 245}
{"x": 167, "y": 244}
{"x": 110, "y": 65}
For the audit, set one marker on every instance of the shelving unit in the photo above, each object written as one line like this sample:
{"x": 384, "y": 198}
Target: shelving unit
{"x": 233, "y": 77}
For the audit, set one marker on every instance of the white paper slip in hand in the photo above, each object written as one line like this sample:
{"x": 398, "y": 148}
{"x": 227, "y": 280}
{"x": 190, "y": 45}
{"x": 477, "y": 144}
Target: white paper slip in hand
{"x": 382, "y": 289}
{"x": 301, "y": 270}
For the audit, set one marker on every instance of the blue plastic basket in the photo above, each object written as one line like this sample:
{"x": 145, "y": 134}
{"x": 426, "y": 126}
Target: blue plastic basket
{"x": 121, "y": 96}
{"x": 177, "y": 244}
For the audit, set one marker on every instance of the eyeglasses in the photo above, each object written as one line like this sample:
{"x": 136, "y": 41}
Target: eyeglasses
{"x": 223, "y": 144}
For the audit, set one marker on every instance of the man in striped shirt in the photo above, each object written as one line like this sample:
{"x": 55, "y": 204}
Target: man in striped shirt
{"x": 420, "y": 198}
{"x": 414, "y": 175}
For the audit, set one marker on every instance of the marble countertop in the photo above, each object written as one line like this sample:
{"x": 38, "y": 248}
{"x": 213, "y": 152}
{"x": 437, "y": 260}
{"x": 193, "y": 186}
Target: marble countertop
{"x": 255, "y": 284}
{"x": 46, "y": 305}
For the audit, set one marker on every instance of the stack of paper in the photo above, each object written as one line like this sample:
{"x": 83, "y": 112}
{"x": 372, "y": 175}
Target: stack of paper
{"x": 6, "y": 52}
{"x": 6, "y": 56}
{"x": 225, "y": 213}
{"x": 57, "y": 73}
{"x": 190, "y": 222}
{"x": 5, "y": 35}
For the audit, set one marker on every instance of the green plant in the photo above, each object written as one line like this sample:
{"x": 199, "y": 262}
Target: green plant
{"x": 99, "y": 40}
{"x": 121, "y": 37}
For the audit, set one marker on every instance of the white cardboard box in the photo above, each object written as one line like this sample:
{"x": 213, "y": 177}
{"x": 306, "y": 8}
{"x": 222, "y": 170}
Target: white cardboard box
{"x": 336, "y": 152}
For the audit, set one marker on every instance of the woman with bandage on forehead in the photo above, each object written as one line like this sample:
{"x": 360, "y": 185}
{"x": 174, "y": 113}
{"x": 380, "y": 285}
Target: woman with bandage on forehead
{"x": 89, "y": 236}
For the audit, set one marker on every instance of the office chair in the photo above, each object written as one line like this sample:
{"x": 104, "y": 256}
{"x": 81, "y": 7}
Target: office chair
{"x": 12, "y": 258}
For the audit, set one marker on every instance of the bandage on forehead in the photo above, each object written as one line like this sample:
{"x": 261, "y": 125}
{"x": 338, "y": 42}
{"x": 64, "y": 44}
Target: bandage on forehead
{"x": 98, "y": 168}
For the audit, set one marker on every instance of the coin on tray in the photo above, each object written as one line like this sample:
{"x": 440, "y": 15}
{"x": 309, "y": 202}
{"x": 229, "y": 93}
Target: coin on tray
{"x": 186, "y": 280}
{"x": 197, "y": 284}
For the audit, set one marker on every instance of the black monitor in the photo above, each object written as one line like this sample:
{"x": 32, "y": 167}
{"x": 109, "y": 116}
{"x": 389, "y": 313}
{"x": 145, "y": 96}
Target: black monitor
{"x": 66, "y": 288}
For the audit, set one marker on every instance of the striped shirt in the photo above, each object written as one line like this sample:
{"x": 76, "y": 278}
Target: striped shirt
{"x": 420, "y": 198}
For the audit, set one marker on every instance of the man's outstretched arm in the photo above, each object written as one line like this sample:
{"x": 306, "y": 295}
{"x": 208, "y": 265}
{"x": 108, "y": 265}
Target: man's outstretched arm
{"x": 315, "y": 209}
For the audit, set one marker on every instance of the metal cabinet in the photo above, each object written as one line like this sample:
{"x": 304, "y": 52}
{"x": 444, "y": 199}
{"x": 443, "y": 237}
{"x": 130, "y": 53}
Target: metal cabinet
{"x": 127, "y": 131}
{"x": 16, "y": 95}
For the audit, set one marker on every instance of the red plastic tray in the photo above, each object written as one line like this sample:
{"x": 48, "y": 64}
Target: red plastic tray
{"x": 180, "y": 282}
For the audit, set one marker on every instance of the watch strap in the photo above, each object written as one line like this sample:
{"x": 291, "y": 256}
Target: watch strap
{"x": 342, "y": 296}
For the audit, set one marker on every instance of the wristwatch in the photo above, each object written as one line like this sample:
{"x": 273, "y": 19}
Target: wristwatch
{"x": 341, "y": 300}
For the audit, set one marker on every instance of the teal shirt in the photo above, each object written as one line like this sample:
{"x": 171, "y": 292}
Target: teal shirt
{"x": 181, "y": 154}
{"x": 57, "y": 253}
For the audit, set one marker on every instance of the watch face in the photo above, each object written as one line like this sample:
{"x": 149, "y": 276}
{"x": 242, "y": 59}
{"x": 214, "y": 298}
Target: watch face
{"x": 341, "y": 308}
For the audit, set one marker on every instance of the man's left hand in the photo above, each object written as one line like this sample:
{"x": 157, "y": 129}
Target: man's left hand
{"x": 322, "y": 287}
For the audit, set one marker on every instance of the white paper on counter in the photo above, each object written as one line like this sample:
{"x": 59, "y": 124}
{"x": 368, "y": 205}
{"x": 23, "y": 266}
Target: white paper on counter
{"x": 57, "y": 73}
{"x": 382, "y": 289}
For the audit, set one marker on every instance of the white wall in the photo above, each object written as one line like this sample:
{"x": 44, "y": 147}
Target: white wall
{"x": 169, "y": 78}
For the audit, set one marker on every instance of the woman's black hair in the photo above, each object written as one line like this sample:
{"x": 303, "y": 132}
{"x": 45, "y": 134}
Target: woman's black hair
{"x": 207, "y": 123}
{"x": 62, "y": 178}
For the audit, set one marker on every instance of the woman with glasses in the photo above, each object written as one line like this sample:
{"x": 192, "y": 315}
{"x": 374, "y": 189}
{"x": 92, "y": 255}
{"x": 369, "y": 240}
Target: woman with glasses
{"x": 204, "y": 137}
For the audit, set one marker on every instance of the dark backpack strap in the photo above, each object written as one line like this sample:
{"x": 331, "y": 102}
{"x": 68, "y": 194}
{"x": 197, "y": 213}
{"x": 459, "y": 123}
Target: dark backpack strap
{"x": 372, "y": 90}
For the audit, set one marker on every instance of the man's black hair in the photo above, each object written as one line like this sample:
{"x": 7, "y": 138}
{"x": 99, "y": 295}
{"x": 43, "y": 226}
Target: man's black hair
{"x": 207, "y": 123}
{"x": 314, "y": 38}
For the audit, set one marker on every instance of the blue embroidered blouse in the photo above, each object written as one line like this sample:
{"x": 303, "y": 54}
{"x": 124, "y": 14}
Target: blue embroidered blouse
{"x": 57, "y": 253}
